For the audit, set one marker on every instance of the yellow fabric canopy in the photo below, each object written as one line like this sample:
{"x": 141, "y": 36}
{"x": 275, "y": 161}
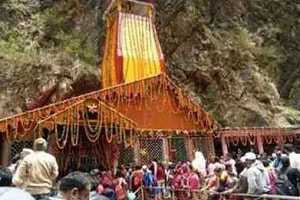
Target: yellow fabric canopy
{"x": 132, "y": 50}
{"x": 138, "y": 46}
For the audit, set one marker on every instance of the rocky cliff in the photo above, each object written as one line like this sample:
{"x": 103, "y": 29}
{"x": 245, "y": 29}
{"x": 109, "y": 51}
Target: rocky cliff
{"x": 238, "y": 58}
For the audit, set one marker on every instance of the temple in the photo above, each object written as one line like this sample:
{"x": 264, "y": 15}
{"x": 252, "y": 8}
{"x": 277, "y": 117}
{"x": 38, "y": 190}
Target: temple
{"x": 138, "y": 111}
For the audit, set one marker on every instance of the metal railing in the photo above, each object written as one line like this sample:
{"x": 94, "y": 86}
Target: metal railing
{"x": 204, "y": 194}
{"x": 264, "y": 196}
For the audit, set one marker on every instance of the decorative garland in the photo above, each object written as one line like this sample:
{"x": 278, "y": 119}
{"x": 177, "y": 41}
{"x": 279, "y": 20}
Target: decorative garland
{"x": 93, "y": 134}
{"x": 108, "y": 133}
{"x": 118, "y": 134}
{"x": 290, "y": 138}
{"x": 75, "y": 127}
{"x": 244, "y": 141}
{"x": 126, "y": 143}
{"x": 65, "y": 133}
{"x": 235, "y": 141}
{"x": 98, "y": 122}
{"x": 175, "y": 106}
{"x": 268, "y": 139}
{"x": 152, "y": 91}
{"x": 15, "y": 136}
{"x": 27, "y": 128}
{"x": 252, "y": 139}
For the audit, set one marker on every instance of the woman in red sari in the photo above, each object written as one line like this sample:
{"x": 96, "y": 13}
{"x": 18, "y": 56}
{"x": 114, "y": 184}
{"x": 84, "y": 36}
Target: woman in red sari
{"x": 180, "y": 182}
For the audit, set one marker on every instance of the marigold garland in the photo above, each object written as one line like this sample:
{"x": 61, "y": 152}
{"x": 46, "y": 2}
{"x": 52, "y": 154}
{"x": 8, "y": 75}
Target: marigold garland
{"x": 65, "y": 133}
{"x": 93, "y": 134}
{"x": 75, "y": 127}
{"x": 268, "y": 139}
{"x": 15, "y": 136}
{"x": 290, "y": 138}
{"x": 253, "y": 140}
{"x": 27, "y": 128}
{"x": 108, "y": 133}
{"x": 235, "y": 141}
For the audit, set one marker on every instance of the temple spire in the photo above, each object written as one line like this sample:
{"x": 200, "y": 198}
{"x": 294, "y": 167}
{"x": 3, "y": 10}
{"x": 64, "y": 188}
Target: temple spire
{"x": 132, "y": 49}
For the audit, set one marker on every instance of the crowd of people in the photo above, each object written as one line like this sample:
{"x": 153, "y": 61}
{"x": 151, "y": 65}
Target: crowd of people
{"x": 34, "y": 176}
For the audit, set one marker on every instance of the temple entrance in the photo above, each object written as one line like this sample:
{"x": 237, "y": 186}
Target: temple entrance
{"x": 151, "y": 148}
{"x": 177, "y": 148}
{"x": 269, "y": 148}
{"x": 218, "y": 147}
{"x": 84, "y": 155}
{"x": 241, "y": 149}
{"x": 126, "y": 156}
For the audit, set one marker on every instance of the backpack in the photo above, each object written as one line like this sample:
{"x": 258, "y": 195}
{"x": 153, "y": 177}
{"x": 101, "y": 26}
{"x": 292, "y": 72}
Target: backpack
{"x": 284, "y": 186}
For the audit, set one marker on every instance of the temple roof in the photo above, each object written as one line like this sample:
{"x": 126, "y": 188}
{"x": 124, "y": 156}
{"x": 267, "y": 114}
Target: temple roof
{"x": 118, "y": 101}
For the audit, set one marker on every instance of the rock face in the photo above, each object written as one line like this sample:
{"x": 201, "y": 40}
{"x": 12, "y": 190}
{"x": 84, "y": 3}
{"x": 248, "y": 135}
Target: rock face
{"x": 45, "y": 56}
{"x": 239, "y": 59}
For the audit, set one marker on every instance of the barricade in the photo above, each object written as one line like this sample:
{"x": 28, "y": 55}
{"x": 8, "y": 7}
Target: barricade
{"x": 168, "y": 193}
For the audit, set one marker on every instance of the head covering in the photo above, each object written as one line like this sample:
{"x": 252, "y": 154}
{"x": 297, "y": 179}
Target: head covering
{"x": 40, "y": 144}
{"x": 249, "y": 156}
{"x": 218, "y": 167}
{"x": 40, "y": 141}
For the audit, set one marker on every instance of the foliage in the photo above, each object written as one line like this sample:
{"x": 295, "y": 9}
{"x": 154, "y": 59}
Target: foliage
{"x": 49, "y": 29}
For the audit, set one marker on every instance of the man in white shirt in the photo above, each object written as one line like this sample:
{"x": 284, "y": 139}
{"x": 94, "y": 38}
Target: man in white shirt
{"x": 293, "y": 156}
{"x": 255, "y": 175}
{"x": 37, "y": 171}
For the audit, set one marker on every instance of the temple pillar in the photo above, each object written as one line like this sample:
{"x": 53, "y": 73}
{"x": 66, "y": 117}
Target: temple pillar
{"x": 260, "y": 145}
{"x": 166, "y": 149}
{"x": 189, "y": 148}
{"x": 5, "y": 152}
{"x": 224, "y": 145}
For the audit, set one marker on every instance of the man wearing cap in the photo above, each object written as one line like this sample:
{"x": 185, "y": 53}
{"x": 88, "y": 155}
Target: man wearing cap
{"x": 255, "y": 175}
{"x": 37, "y": 171}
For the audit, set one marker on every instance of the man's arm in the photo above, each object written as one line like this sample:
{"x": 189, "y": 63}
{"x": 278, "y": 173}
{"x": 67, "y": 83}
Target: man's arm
{"x": 252, "y": 186}
{"x": 21, "y": 175}
{"x": 54, "y": 169}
